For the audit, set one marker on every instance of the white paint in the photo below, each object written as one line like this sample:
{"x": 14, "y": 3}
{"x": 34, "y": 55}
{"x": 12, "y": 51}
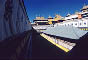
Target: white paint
{"x": 71, "y": 16}
{"x": 76, "y": 23}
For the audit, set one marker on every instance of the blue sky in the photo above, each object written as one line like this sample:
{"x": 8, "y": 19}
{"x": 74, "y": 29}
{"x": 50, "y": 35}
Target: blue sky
{"x": 51, "y": 7}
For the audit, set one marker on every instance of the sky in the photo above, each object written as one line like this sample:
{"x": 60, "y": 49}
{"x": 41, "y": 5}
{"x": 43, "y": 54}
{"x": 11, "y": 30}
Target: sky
{"x": 51, "y": 7}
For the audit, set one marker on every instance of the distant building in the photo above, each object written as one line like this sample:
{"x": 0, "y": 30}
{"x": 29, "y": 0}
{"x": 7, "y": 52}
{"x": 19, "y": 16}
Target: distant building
{"x": 85, "y": 8}
{"x": 79, "y": 19}
{"x": 70, "y": 17}
{"x": 76, "y": 23}
{"x": 85, "y": 11}
{"x": 41, "y": 21}
{"x": 78, "y": 15}
{"x": 49, "y": 21}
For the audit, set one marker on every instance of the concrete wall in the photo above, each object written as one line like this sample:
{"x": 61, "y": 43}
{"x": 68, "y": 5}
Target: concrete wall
{"x": 13, "y": 18}
{"x": 70, "y": 17}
